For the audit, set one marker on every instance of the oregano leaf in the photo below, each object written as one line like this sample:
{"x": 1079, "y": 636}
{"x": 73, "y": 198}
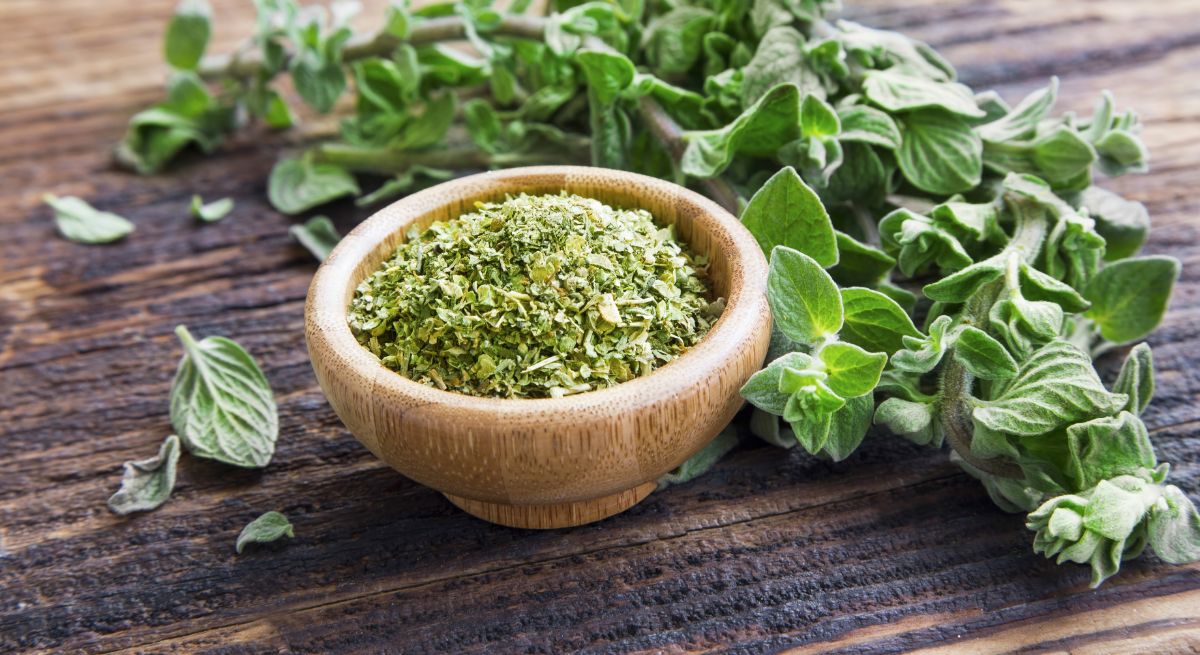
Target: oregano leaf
{"x": 298, "y": 184}
{"x": 266, "y": 528}
{"x": 1136, "y": 378}
{"x": 187, "y": 34}
{"x": 941, "y": 153}
{"x": 897, "y": 92}
{"x": 317, "y": 235}
{"x": 852, "y": 370}
{"x": 805, "y": 301}
{"x": 982, "y": 355}
{"x": 1175, "y": 528}
{"x": 848, "y": 427}
{"x": 212, "y": 211}
{"x": 80, "y": 222}
{"x": 147, "y": 483}
{"x": 786, "y": 212}
{"x": 1129, "y": 297}
{"x": 221, "y": 404}
{"x": 1107, "y": 447}
{"x": 875, "y": 321}
{"x": 701, "y": 462}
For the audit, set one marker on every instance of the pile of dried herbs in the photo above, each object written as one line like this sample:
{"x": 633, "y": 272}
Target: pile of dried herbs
{"x": 942, "y": 262}
{"x": 536, "y": 296}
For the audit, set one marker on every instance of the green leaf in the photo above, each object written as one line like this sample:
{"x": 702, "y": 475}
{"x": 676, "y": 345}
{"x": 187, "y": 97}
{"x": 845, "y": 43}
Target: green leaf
{"x": 1056, "y": 386}
{"x": 786, "y": 212}
{"x": 1136, "y": 378}
{"x": 919, "y": 241}
{"x": 771, "y": 122}
{"x": 897, "y": 92}
{"x": 1037, "y": 285}
{"x": 266, "y": 528}
{"x": 1115, "y": 507}
{"x": 762, "y": 389}
{"x": 859, "y": 264}
{"x": 318, "y": 79}
{"x": 958, "y": 287}
{"x": 672, "y": 41}
{"x": 701, "y": 462}
{"x": 298, "y": 184}
{"x": 80, "y": 222}
{"x": 1121, "y": 152}
{"x": 982, "y": 355}
{"x": 147, "y": 483}
{"x": 1123, "y": 223}
{"x": 914, "y": 421}
{"x": 869, "y": 125}
{"x": 1061, "y": 157}
{"x": 1130, "y": 296}
{"x": 1022, "y": 121}
{"x": 318, "y": 235}
{"x": 893, "y": 50}
{"x": 213, "y": 211}
{"x": 817, "y": 118}
{"x": 278, "y": 115}
{"x": 608, "y": 74}
{"x": 848, "y": 427}
{"x": 221, "y": 404}
{"x": 852, "y": 370}
{"x": 922, "y": 354}
{"x": 779, "y": 59}
{"x": 1175, "y": 528}
{"x": 875, "y": 321}
{"x": 805, "y": 301}
{"x": 941, "y": 153}
{"x": 1107, "y": 447}
{"x": 187, "y": 34}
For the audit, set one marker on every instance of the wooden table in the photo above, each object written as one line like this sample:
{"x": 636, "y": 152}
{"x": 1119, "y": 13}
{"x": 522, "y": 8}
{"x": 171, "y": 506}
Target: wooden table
{"x": 893, "y": 549}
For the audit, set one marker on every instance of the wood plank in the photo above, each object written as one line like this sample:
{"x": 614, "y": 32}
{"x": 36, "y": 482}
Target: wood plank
{"x": 893, "y": 549}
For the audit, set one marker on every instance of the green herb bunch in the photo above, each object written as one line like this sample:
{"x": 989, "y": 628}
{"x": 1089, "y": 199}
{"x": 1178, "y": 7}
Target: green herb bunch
{"x": 863, "y": 168}
{"x": 536, "y": 296}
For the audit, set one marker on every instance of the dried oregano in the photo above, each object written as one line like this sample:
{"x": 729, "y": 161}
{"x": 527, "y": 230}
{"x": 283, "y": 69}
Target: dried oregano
{"x": 536, "y": 296}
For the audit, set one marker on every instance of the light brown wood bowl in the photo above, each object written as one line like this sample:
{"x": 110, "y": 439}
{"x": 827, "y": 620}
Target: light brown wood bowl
{"x": 556, "y": 462}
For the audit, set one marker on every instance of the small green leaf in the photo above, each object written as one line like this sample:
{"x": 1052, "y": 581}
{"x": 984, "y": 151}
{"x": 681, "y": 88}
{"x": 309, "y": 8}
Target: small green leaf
{"x": 1175, "y": 528}
{"x": 213, "y": 211}
{"x": 1130, "y": 296}
{"x": 701, "y": 462}
{"x": 921, "y": 354}
{"x": 958, "y": 287}
{"x": 297, "y": 184}
{"x": 897, "y": 92}
{"x": 919, "y": 241}
{"x": 187, "y": 34}
{"x": 266, "y": 528}
{"x": 1106, "y": 447}
{"x": 1115, "y": 507}
{"x": 941, "y": 153}
{"x": 848, "y": 427}
{"x": 1056, "y": 386}
{"x": 804, "y": 300}
{"x": 859, "y": 264}
{"x": 278, "y": 115}
{"x": 786, "y": 212}
{"x": 80, "y": 222}
{"x": 914, "y": 421}
{"x": 983, "y": 356}
{"x": 869, "y": 125}
{"x": 817, "y": 118}
{"x": 759, "y": 131}
{"x": 875, "y": 321}
{"x": 779, "y": 59}
{"x": 1136, "y": 378}
{"x": 1123, "y": 223}
{"x": 318, "y": 80}
{"x": 608, "y": 74}
{"x": 852, "y": 370}
{"x": 147, "y": 483}
{"x": 318, "y": 235}
{"x": 221, "y": 404}
{"x": 1036, "y": 285}
{"x": 762, "y": 389}
{"x": 1022, "y": 121}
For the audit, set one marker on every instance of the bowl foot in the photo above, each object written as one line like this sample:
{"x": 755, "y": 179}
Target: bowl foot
{"x": 562, "y": 515}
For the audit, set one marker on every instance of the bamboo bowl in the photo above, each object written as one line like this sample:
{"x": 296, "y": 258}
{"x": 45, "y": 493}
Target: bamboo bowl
{"x": 544, "y": 463}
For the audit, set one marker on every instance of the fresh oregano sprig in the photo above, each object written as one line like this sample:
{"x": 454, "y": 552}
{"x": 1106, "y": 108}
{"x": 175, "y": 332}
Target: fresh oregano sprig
{"x": 863, "y": 168}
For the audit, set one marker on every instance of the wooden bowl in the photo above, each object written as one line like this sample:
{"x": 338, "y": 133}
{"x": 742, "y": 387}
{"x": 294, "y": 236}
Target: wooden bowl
{"x": 554, "y": 462}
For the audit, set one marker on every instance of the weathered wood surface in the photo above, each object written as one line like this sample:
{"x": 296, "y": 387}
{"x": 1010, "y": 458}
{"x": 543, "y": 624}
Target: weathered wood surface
{"x": 891, "y": 550}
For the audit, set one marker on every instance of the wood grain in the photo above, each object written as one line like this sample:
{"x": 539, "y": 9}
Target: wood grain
{"x": 892, "y": 550}
{"x": 544, "y": 462}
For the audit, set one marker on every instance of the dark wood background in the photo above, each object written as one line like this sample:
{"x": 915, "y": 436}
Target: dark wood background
{"x": 894, "y": 549}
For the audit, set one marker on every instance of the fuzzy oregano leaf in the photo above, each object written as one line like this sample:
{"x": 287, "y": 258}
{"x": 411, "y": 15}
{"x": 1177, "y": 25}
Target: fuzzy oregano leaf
{"x": 1056, "y": 386}
{"x": 701, "y": 462}
{"x": 266, "y": 528}
{"x": 147, "y": 483}
{"x": 875, "y": 321}
{"x": 1175, "y": 527}
{"x": 1107, "y": 447}
{"x": 786, "y": 212}
{"x": 852, "y": 370}
{"x": 317, "y": 235}
{"x": 941, "y": 153}
{"x": 187, "y": 34}
{"x": 212, "y": 211}
{"x": 805, "y": 301}
{"x": 80, "y": 222}
{"x": 1130, "y": 296}
{"x": 221, "y": 404}
{"x": 982, "y": 355}
{"x": 1136, "y": 378}
{"x": 299, "y": 184}
{"x": 771, "y": 122}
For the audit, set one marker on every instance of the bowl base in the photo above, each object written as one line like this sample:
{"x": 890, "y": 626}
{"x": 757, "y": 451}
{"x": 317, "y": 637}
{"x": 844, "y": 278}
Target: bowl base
{"x": 561, "y": 515}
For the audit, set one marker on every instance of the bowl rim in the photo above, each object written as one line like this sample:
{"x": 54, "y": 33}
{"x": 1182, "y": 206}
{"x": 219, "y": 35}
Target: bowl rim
{"x": 745, "y": 303}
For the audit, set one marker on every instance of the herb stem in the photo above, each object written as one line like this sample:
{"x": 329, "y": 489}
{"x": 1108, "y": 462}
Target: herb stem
{"x": 387, "y": 161}
{"x": 668, "y": 132}
{"x": 433, "y": 30}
